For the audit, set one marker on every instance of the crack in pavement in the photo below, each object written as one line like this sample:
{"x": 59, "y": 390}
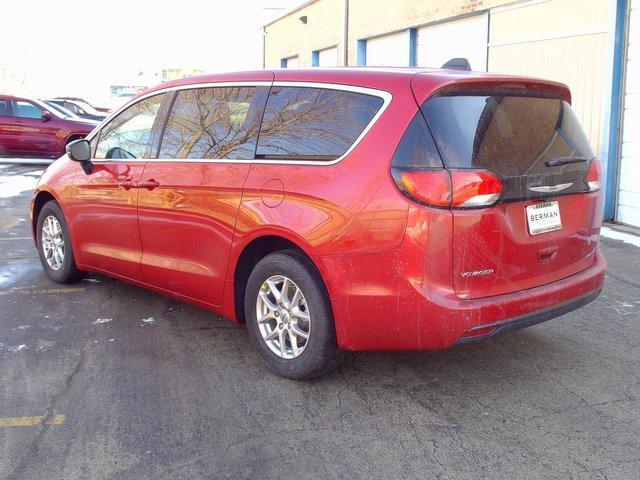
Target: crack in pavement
{"x": 34, "y": 446}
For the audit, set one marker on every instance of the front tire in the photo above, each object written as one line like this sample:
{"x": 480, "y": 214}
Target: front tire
{"x": 54, "y": 244}
{"x": 289, "y": 316}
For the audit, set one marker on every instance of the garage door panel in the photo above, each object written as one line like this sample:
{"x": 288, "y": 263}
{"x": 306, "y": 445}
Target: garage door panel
{"x": 633, "y": 77}
{"x": 628, "y": 198}
{"x": 328, "y": 57}
{"x": 389, "y": 51}
{"x": 628, "y": 179}
{"x": 629, "y": 215}
{"x": 629, "y": 173}
{"x": 466, "y": 38}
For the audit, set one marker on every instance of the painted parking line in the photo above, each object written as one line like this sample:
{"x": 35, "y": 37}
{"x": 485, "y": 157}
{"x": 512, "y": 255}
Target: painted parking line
{"x": 31, "y": 421}
{"x": 4, "y": 239}
{"x": 46, "y": 290}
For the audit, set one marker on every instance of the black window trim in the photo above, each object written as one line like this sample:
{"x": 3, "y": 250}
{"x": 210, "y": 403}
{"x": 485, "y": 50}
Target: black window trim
{"x": 383, "y": 94}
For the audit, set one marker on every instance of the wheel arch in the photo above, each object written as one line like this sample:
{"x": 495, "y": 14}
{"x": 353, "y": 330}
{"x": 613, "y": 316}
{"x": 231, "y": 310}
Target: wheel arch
{"x": 255, "y": 250}
{"x": 42, "y": 197}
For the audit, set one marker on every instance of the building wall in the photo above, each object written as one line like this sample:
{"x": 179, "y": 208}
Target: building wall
{"x": 366, "y": 21}
{"x": 288, "y": 36}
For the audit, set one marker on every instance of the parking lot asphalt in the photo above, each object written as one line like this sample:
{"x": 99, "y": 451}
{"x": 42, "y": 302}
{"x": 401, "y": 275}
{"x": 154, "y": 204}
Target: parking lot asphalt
{"x": 127, "y": 384}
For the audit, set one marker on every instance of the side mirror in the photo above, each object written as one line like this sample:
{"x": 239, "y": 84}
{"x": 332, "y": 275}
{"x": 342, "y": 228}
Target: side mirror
{"x": 80, "y": 151}
{"x": 46, "y": 116}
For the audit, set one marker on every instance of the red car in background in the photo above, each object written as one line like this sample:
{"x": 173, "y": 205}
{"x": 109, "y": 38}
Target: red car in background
{"x": 30, "y": 128}
{"x": 338, "y": 209}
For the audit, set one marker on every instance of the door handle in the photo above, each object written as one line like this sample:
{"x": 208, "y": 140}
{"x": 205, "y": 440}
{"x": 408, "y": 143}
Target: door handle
{"x": 149, "y": 184}
{"x": 126, "y": 184}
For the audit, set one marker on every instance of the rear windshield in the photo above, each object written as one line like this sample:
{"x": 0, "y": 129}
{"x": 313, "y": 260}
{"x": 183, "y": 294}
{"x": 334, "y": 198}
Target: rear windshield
{"x": 510, "y": 135}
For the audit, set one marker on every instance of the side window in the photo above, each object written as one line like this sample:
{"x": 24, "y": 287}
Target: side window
{"x": 132, "y": 133}
{"x": 73, "y": 107}
{"x": 302, "y": 123}
{"x": 417, "y": 148}
{"x": 219, "y": 122}
{"x": 25, "y": 109}
{"x": 5, "y": 108}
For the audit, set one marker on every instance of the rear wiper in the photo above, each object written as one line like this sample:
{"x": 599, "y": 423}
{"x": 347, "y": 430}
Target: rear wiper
{"x": 566, "y": 161}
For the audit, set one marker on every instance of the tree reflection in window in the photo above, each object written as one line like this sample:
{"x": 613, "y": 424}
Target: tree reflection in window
{"x": 129, "y": 135}
{"x": 219, "y": 122}
{"x": 313, "y": 123}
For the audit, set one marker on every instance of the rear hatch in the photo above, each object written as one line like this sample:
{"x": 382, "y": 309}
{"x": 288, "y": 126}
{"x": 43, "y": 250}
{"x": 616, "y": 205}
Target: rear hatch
{"x": 526, "y": 179}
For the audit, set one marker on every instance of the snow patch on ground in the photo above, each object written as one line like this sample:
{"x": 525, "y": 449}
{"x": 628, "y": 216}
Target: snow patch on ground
{"x": 11, "y": 348}
{"x": 102, "y": 320}
{"x": 13, "y": 185}
{"x": 149, "y": 320}
{"x": 23, "y": 327}
{"x": 622, "y": 236}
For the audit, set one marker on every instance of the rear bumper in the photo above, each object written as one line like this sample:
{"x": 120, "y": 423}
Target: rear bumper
{"x": 381, "y": 302}
{"x": 493, "y": 329}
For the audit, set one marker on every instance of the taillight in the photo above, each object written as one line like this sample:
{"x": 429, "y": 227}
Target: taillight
{"x": 594, "y": 175}
{"x": 475, "y": 188}
{"x": 431, "y": 187}
{"x": 444, "y": 188}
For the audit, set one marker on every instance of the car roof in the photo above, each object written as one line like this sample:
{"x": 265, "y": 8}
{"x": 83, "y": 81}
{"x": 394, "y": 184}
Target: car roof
{"x": 385, "y": 78}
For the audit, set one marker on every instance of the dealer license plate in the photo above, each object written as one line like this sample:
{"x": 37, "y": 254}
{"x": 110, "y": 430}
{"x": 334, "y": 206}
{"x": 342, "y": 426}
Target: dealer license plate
{"x": 543, "y": 217}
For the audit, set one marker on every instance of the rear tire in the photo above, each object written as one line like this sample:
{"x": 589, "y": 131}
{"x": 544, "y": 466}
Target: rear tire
{"x": 296, "y": 335}
{"x": 54, "y": 244}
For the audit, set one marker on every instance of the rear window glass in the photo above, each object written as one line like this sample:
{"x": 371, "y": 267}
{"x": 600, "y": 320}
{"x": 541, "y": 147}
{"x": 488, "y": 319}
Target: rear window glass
{"x": 511, "y": 135}
{"x": 303, "y": 123}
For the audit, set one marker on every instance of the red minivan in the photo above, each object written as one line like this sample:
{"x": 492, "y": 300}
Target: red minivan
{"x": 339, "y": 209}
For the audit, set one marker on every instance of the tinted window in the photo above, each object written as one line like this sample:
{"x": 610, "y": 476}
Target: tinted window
{"x": 416, "y": 148}
{"x": 24, "y": 109}
{"x": 313, "y": 123}
{"x": 5, "y": 107}
{"x": 133, "y": 133}
{"x": 512, "y": 135}
{"x": 73, "y": 107}
{"x": 219, "y": 122}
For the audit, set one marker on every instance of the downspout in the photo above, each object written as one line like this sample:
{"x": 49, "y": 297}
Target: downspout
{"x": 345, "y": 33}
{"x": 264, "y": 45}
{"x": 613, "y": 103}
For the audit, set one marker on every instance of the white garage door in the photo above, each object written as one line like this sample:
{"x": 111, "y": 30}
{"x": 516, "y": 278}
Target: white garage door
{"x": 328, "y": 57}
{"x": 389, "y": 51}
{"x": 292, "y": 62}
{"x": 466, "y": 37}
{"x": 629, "y": 194}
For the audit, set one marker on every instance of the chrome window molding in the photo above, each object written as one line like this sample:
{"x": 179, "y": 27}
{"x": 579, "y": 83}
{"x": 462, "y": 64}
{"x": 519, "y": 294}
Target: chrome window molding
{"x": 383, "y": 94}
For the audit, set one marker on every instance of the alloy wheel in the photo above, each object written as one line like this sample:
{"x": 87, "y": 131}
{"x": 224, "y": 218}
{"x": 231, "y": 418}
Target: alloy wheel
{"x": 283, "y": 316}
{"x": 52, "y": 242}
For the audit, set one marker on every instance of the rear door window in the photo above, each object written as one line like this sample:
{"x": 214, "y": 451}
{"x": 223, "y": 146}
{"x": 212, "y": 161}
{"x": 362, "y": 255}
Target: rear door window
{"x": 218, "y": 122}
{"x": 302, "y": 123}
{"x": 24, "y": 109}
{"x": 5, "y": 108}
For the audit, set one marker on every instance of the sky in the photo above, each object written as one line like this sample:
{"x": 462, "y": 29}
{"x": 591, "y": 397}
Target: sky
{"x": 76, "y": 48}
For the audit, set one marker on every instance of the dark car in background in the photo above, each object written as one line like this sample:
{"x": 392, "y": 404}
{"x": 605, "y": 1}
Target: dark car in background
{"x": 83, "y": 103}
{"x": 81, "y": 109}
{"x": 30, "y": 128}
{"x": 68, "y": 114}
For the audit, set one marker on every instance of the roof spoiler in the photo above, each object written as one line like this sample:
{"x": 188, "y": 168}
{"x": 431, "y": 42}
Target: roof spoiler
{"x": 458, "y": 64}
